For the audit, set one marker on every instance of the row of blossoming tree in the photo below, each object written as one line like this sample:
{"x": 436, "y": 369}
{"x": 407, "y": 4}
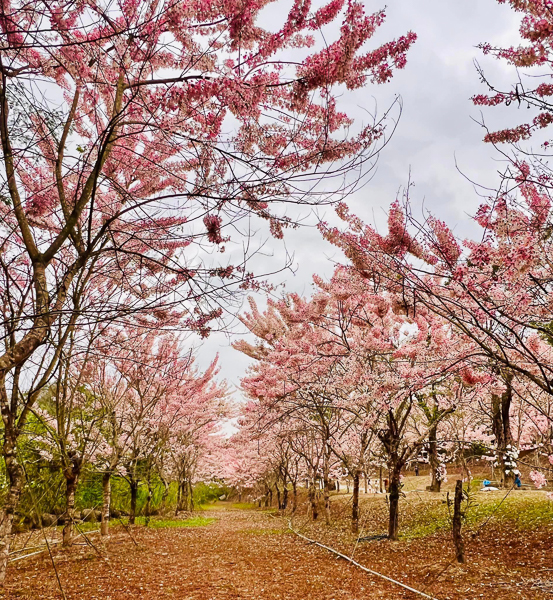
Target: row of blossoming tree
{"x": 134, "y": 406}
{"x": 147, "y": 146}
{"x": 354, "y": 378}
{"x": 422, "y": 344}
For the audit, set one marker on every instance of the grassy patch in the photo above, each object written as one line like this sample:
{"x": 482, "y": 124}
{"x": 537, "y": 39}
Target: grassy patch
{"x": 519, "y": 511}
{"x": 213, "y": 506}
{"x": 86, "y": 526}
{"x": 83, "y": 526}
{"x": 522, "y": 511}
{"x": 197, "y": 521}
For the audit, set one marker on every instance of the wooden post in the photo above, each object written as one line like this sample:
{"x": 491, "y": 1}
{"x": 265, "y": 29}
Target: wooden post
{"x": 457, "y": 538}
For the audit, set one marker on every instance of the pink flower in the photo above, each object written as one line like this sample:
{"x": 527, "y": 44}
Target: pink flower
{"x": 538, "y": 479}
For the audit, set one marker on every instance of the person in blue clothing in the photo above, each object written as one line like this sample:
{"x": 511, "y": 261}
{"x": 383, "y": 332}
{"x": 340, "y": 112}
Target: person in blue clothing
{"x": 518, "y": 482}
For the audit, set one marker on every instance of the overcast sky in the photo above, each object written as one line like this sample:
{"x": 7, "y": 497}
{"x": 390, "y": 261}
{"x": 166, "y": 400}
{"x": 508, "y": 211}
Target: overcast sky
{"x": 436, "y": 137}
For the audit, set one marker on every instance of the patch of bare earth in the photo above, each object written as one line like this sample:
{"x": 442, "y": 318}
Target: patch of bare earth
{"x": 250, "y": 555}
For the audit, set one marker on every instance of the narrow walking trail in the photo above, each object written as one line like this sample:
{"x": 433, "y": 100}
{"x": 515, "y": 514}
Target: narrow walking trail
{"x": 244, "y": 555}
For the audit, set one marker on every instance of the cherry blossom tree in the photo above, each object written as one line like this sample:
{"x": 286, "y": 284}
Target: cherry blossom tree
{"x": 135, "y": 136}
{"x": 536, "y": 30}
{"x": 494, "y": 292}
{"x": 354, "y": 359}
{"x": 156, "y": 402}
{"x": 72, "y": 420}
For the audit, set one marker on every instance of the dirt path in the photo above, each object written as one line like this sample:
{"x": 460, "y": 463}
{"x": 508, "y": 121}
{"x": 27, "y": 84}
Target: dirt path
{"x": 242, "y": 555}
{"x": 249, "y": 555}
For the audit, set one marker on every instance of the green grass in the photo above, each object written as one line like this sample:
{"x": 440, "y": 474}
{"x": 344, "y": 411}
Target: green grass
{"x": 197, "y": 521}
{"x": 87, "y": 526}
{"x": 516, "y": 510}
{"x": 82, "y": 526}
{"x": 208, "y": 507}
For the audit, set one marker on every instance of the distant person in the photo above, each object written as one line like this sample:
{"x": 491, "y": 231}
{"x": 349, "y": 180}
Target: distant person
{"x": 417, "y": 470}
{"x": 488, "y": 487}
{"x": 518, "y": 482}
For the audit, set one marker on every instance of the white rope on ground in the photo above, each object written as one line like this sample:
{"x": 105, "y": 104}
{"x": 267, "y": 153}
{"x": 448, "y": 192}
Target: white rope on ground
{"x": 27, "y": 555}
{"x": 353, "y": 562}
{"x": 29, "y": 549}
{"x": 45, "y": 547}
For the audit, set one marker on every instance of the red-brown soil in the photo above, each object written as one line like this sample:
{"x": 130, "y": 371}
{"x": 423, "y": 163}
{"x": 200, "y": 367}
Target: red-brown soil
{"x": 249, "y": 555}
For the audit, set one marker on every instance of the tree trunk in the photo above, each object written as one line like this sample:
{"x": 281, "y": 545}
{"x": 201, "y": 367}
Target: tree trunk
{"x": 435, "y": 481}
{"x": 366, "y": 484}
{"x": 15, "y": 475}
{"x": 326, "y": 493}
{"x": 185, "y": 497}
{"x": 457, "y": 538}
{"x": 165, "y": 495}
{"x": 285, "y": 497}
{"x": 294, "y": 496}
{"x": 355, "y": 503}
{"x": 501, "y": 427}
{"x": 179, "y": 498}
{"x": 191, "y": 496}
{"x": 70, "y": 489}
{"x": 394, "y": 488}
{"x": 148, "y": 507}
{"x": 134, "y": 498}
{"x": 106, "y": 502}
{"x": 313, "y": 501}
{"x": 279, "y": 497}
{"x": 326, "y": 481}
{"x": 380, "y": 476}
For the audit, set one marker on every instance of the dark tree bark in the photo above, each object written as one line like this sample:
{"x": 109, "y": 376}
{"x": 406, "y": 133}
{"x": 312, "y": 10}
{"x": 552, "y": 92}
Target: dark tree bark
{"x": 313, "y": 501}
{"x": 134, "y": 498}
{"x": 457, "y": 521}
{"x": 285, "y": 498}
{"x": 190, "y": 496}
{"x": 391, "y": 440}
{"x": 501, "y": 427}
{"x": 394, "y": 491}
{"x": 326, "y": 493}
{"x": 179, "y": 501}
{"x": 355, "y": 502}
{"x": 435, "y": 481}
{"x": 279, "y": 497}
